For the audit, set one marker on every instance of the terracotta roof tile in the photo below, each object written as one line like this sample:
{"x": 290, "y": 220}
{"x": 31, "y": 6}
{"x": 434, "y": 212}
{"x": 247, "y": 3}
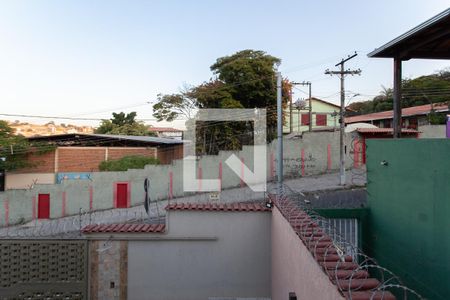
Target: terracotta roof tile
{"x": 384, "y": 130}
{"x": 409, "y": 111}
{"x": 242, "y": 207}
{"x": 339, "y": 269}
{"x": 124, "y": 228}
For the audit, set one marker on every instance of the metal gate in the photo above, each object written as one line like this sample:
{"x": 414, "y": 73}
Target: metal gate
{"x": 43, "y": 269}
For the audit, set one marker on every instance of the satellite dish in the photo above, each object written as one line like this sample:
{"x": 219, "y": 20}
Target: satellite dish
{"x": 300, "y": 104}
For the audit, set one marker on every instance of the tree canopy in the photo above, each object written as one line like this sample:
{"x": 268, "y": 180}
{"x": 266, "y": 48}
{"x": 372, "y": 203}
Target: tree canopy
{"x": 422, "y": 90}
{"x": 124, "y": 124}
{"x": 245, "y": 79}
{"x": 13, "y": 148}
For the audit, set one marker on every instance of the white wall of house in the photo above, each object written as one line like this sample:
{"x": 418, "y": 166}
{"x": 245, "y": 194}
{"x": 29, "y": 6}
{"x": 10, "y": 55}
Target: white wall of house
{"x": 432, "y": 131}
{"x": 204, "y": 254}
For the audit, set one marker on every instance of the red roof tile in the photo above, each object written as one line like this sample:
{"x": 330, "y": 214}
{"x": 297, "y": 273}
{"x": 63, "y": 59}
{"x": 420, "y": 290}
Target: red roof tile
{"x": 352, "y": 281}
{"x": 384, "y": 130}
{"x": 244, "y": 207}
{"x": 409, "y": 111}
{"x": 124, "y": 228}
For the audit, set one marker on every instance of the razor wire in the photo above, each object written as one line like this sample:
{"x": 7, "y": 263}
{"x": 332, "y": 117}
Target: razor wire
{"x": 71, "y": 226}
{"x": 353, "y": 272}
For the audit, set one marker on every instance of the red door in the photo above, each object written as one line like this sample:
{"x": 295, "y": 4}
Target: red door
{"x": 44, "y": 206}
{"x": 122, "y": 195}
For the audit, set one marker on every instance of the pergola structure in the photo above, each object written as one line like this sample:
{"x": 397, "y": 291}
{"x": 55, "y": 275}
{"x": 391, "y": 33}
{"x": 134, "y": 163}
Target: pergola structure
{"x": 429, "y": 40}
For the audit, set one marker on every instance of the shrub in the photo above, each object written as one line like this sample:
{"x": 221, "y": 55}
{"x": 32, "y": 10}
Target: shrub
{"x": 127, "y": 162}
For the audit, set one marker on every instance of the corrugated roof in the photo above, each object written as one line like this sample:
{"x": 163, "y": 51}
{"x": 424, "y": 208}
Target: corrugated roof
{"x": 406, "y": 112}
{"x": 143, "y": 139}
{"x": 124, "y": 228}
{"x": 232, "y": 207}
{"x": 384, "y": 130}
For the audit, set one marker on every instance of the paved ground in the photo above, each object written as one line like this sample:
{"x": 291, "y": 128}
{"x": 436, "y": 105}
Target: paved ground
{"x": 70, "y": 226}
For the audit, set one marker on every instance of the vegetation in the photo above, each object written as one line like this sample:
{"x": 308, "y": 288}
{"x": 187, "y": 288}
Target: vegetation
{"x": 124, "y": 124}
{"x": 13, "y": 148}
{"x": 245, "y": 79}
{"x": 428, "y": 89}
{"x": 128, "y": 162}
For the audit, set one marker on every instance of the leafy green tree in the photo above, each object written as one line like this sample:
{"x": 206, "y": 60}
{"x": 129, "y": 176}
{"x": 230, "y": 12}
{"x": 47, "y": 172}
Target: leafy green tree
{"x": 245, "y": 79}
{"x": 422, "y": 90}
{"x": 124, "y": 124}
{"x": 13, "y": 149}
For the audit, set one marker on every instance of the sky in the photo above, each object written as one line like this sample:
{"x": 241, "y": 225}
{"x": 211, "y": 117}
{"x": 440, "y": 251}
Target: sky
{"x": 87, "y": 59}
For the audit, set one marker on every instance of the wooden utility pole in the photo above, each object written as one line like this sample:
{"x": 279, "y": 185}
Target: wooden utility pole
{"x": 342, "y": 73}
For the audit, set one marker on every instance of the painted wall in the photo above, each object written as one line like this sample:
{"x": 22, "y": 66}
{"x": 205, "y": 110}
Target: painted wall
{"x": 432, "y": 131}
{"x": 28, "y": 180}
{"x": 315, "y": 153}
{"x": 409, "y": 201}
{"x": 234, "y": 262}
{"x": 318, "y": 108}
{"x": 293, "y": 267}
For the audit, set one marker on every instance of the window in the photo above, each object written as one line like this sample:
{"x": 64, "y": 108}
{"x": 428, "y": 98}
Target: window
{"x": 321, "y": 120}
{"x": 305, "y": 119}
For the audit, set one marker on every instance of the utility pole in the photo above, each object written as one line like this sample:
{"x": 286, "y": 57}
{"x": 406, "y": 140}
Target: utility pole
{"x": 291, "y": 125}
{"x": 308, "y": 83}
{"x": 342, "y": 73}
{"x": 280, "y": 136}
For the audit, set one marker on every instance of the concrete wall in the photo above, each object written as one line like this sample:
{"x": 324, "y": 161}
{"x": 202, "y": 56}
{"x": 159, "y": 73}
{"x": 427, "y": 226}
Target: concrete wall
{"x": 315, "y": 153}
{"x": 409, "y": 201}
{"x": 232, "y": 260}
{"x": 27, "y": 180}
{"x": 293, "y": 267}
{"x": 432, "y": 131}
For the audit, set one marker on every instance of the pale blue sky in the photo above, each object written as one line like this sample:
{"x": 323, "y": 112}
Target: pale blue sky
{"x": 71, "y": 58}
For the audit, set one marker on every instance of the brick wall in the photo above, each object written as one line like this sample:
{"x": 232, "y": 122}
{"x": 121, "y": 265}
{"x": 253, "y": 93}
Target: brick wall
{"x": 80, "y": 159}
{"x": 167, "y": 154}
{"x": 44, "y": 163}
{"x": 116, "y": 153}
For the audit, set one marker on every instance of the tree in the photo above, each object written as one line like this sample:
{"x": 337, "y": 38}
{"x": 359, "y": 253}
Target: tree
{"x": 124, "y": 124}
{"x": 422, "y": 90}
{"x": 245, "y": 79}
{"x": 13, "y": 149}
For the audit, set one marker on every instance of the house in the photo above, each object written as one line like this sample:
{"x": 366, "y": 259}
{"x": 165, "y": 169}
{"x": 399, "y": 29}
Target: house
{"x": 412, "y": 117}
{"x": 324, "y": 115}
{"x": 76, "y": 155}
{"x": 167, "y": 132}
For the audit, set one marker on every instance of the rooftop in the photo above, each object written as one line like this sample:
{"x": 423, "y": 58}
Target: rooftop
{"x": 124, "y": 228}
{"x": 385, "y": 130}
{"x": 164, "y": 129}
{"x": 104, "y": 139}
{"x": 233, "y": 207}
{"x": 409, "y": 111}
{"x": 427, "y": 40}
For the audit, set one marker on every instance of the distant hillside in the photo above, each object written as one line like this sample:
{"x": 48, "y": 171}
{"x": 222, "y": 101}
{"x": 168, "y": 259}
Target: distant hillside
{"x": 422, "y": 90}
{"x": 28, "y": 130}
